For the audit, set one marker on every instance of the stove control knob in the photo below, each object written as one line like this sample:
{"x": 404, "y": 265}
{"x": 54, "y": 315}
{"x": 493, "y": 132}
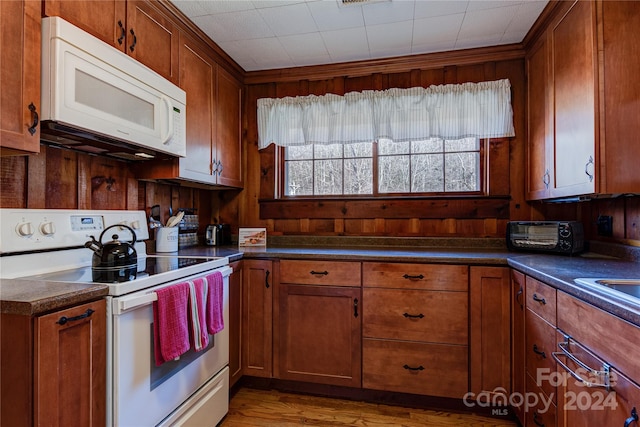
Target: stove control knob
{"x": 24, "y": 229}
{"x": 47, "y": 228}
{"x": 135, "y": 225}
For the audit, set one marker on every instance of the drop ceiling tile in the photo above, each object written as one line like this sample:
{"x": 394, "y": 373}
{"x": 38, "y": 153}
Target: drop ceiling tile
{"x": 189, "y": 7}
{"x": 304, "y": 46}
{"x": 428, "y": 9}
{"x": 526, "y": 15}
{"x": 291, "y": 19}
{"x": 329, "y": 16}
{"x": 267, "y": 51}
{"x": 480, "y": 23}
{"x": 243, "y": 25}
{"x": 209, "y": 7}
{"x": 387, "y": 11}
{"x": 485, "y": 4}
{"x": 479, "y": 41}
{"x": 437, "y": 30}
{"x": 346, "y": 45}
{"x": 392, "y": 39}
{"x": 431, "y": 46}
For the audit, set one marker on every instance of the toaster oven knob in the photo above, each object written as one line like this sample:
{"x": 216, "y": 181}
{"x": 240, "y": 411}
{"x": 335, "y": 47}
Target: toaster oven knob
{"x": 565, "y": 232}
{"x": 565, "y": 245}
{"x": 47, "y": 228}
{"x": 135, "y": 225}
{"x": 25, "y": 229}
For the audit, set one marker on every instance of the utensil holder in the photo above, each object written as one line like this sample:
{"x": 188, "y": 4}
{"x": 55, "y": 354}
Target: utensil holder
{"x": 167, "y": 239}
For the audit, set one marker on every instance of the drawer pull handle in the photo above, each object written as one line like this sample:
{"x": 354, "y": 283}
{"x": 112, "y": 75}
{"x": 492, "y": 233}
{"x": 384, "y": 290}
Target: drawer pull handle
{"x": 632, "y": 418}
{"x": 539, "y": 352}
{"x": 536, "y": 298}
{"x": 123, "y": 33}
{"x": 34, "y": 114}
{"x": 410, "y": 368}
{"x": 604, "y": 373}
{"x": 418, "y": 277}
{"x": 355, "y": 307}
{"x": 518, "y": 295}
{"x": 319, "y": 273}
{"x": 266, "y": 279}
{"x": 535, "y": 419}
{"x": 413, "y": 316}
{"x": 64, "y": 319}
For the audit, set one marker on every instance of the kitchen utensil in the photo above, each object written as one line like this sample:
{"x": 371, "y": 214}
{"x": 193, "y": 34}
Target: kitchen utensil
{"x": 175, "y": 220}
{"x": 114, "y": 261}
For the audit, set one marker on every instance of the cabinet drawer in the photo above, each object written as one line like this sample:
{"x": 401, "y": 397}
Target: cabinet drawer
{"x": 543, "y": 413}
{"x": 415, "y": 276}
{"x": 432, "y": 316}
{"x": 541, "y": 299}
{"x": 334, "y": 273}
{"x": 430, "y": 369}
{"x": 540, "y": 340}
{"x": 613, "y": 339}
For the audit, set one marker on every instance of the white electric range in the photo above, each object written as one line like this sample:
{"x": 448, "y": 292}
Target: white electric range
{"x": 48, "y": 245}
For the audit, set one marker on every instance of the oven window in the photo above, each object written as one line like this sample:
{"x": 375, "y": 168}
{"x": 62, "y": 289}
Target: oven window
{"x": 162, "y": 373}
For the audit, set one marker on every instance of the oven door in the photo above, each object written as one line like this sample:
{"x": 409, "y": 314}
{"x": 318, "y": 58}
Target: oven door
{"x": 143, "y": 394}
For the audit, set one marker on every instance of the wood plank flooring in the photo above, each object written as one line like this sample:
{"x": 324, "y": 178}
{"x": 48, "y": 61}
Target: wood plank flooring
{"x": 259, "y": 408}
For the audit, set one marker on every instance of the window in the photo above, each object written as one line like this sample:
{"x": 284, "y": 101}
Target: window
{"x": 384, "y": 167}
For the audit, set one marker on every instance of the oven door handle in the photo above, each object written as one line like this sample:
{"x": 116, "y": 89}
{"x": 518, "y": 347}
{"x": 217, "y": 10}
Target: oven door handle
{"x": 126, "y": 303}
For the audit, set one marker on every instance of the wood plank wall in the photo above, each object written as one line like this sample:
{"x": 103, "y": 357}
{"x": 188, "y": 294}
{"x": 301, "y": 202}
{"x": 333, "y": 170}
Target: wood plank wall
{"x": 64, "y": 179}
{"x": 440, "y": 217}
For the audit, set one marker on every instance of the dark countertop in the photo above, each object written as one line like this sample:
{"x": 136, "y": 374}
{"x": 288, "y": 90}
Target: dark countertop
{"x": 555, "y": 270}
{"x": 32, "y": 297}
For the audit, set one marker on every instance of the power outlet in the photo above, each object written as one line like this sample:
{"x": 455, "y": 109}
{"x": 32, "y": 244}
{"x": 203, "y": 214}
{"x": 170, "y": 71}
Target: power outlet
{"x": 605, "y": 225}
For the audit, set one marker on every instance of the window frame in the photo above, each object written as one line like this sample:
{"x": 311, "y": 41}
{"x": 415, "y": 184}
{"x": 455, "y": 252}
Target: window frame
{"x": 484, "y": 169}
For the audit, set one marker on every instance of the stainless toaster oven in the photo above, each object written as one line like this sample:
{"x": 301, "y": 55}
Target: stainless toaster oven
{"x": 564, "y": 237}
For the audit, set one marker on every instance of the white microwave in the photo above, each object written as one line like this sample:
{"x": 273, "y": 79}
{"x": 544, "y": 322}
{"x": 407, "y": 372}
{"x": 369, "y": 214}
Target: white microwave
{"x": 97, "y": 99}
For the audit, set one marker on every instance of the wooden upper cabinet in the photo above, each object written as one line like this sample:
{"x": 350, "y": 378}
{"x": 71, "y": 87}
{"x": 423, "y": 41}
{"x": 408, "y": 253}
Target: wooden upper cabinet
{"x": 153, "y": 39}
{"x": 228, "y": 130}
{"x": 137, "y": 28}
{"x": 574, "y": 71}
{"x": 20, "y": 77}
{"x": 105, "y": 19}
{"x": 620, "y": 150}
{"x": 538, "y": 149}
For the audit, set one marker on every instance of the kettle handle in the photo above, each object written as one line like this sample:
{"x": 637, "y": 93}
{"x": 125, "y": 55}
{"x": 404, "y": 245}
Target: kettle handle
{"x": 133, "y": 233}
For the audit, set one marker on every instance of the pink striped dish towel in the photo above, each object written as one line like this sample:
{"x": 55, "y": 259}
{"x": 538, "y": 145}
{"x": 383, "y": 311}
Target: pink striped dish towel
{"x": 215, "y": 303}
{"x": 198, "y": 291}
{"x": 170, "y": 331}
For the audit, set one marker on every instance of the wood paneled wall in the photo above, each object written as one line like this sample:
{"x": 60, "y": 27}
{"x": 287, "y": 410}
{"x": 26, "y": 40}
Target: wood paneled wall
{"x": 64, "y": 179}
{"x": 411, "y": 217}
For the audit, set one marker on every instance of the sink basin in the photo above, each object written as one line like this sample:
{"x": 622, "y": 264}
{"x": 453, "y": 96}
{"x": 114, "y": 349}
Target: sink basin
{"x": 629, "y": 287}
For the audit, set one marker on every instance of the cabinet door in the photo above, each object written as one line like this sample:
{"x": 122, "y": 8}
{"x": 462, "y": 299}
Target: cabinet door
{"x": 257, "y": 298}
{"x": 228, "y": 133}
{"x": 20, "y": 77}
{"x": 70, "y": 366}
{"x": 539, "y": 137}
{"x": 197, "y": 79}
{"x": 153, "y": 39}
{"x": 490, "y": 295}
{"x": 518, "y": 338}
{"x": 579, "y": 405}
{"x": 235, "y": 323}
{"x": 574, "y": 69}
{"x": 320, "y": 334}
{"x": 105, "y": 19}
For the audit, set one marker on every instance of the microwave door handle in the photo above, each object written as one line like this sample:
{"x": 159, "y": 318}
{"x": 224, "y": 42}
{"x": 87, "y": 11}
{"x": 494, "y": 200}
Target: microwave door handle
{"x": 167, "y": 104}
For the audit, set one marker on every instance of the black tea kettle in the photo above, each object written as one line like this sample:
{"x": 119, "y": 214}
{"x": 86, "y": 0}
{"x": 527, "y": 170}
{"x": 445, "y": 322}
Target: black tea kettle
{"x": 114, "y": 261}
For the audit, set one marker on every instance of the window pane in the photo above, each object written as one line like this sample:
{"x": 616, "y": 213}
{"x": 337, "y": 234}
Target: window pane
{"x": 328, "y": 177}
{"x": 332, "y": 151}
{"x": 466, "y": 144}
{"x": 358, "y": 174}
{"x": 299, "y": 152}
{"x": 427, "y": 173}
{"x": 461, "y": 172}
{"x": 386, "y": 146}
{"x": 298, "y": 179}
{"x": 361, "y": 149}
{"x": 393, "y": 174}
{"x": 433, "y": 145}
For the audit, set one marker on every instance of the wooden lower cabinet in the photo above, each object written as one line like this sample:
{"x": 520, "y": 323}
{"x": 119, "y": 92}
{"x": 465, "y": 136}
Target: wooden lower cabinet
{"x": 490, "y": 330}
{"x": 257, "y": 310}
{"x": 54, "y": 367}
{"x": 540, "y": 339}
{"x": 415, "y": 367}
{"x": 540, "y": 410}
{"x": 320, "y": 334}
{"x": 235, "y": 323}
{"x": 518, "y": 374}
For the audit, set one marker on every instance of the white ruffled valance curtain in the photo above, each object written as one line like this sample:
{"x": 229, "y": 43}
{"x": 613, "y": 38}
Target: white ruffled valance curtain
{"x": 455, "y": 111}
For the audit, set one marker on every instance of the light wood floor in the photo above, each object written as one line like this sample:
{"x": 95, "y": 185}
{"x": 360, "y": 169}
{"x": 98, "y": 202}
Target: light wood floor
{"x": 258, "y": 408}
